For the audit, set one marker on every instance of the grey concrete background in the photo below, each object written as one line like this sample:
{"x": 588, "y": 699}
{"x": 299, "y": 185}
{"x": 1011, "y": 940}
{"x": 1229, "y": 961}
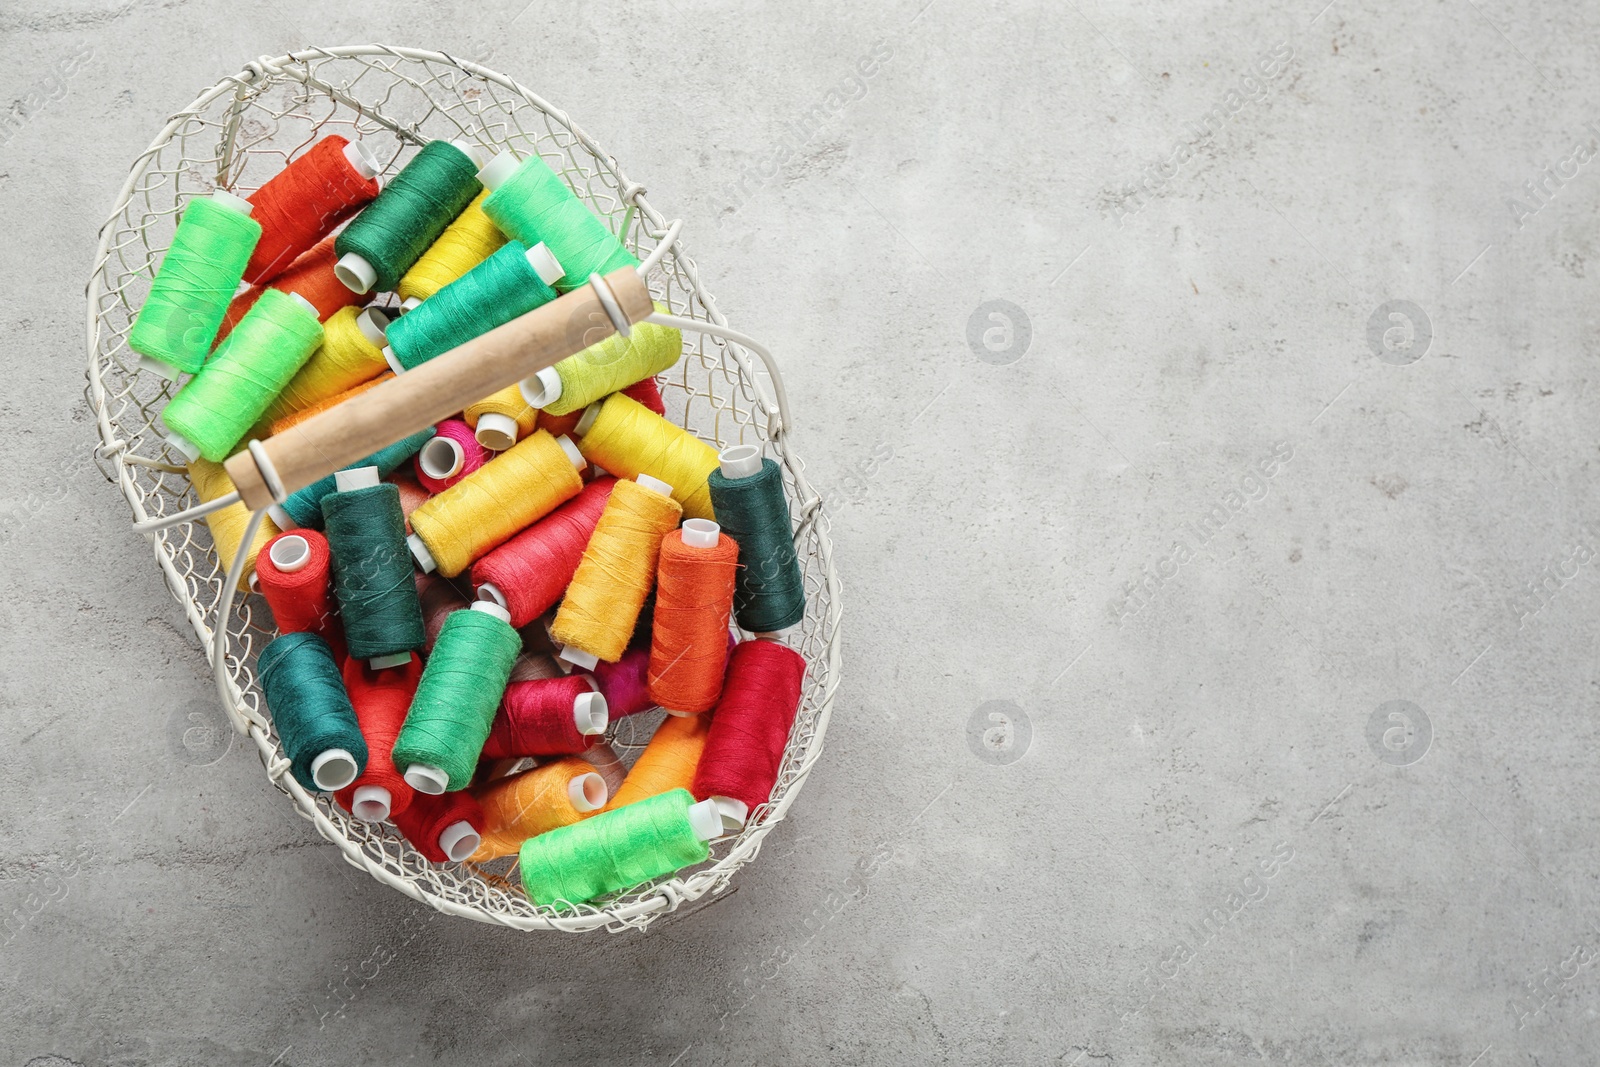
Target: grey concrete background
{"x": 1055, "y": 823}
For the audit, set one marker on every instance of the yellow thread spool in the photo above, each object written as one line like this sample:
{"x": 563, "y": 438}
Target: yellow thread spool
{"x": 501, "y": 420}
{"x": 668, "y": 761}
{"x": 602, "y": 603}
{"x": 465, "y": 243}
{"x": 210, "y": 481}
{"x": 514, "y": 489}
{"x": 528, "y": 804}
{"x": 296, "y": 418}
{"x": 628, "y": 439}
{"x": 351, "y": 353}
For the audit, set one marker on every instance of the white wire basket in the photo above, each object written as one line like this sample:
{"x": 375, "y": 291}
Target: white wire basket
{"x": 242, "y": 131}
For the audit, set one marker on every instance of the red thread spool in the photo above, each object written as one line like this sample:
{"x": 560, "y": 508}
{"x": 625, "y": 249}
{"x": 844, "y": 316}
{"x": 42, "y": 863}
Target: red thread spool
{"x": 689, "y": 630}
{"x": 451, "y": 454}
{"x": 306, "y": 200}
{"x": 381, "y": 699}
{"x": 530, "y": 572}
{"x": 760, "y": 698}
{"x": 293, "y": 574}
{"x": 646, "y": 393}
{"x": 439, "y": 598}
{"x": 548, "y": 717}
{"x": 444, "y": 828}
{"x": 625, "y": 683}
{"x": 312, "y": 277}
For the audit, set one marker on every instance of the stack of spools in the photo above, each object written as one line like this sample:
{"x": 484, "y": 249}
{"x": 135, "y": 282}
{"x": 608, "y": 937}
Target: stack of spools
{"x": 465, "y": 613}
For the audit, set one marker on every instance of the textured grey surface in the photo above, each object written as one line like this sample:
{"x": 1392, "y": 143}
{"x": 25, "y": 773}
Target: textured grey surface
{"x": 1210, "y": 851}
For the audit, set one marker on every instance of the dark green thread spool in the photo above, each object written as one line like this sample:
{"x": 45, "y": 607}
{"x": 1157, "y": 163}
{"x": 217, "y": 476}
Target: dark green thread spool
{"x": 393, "y": 231}
{"x": 372, "y": 576}
{"x": 311, "y": 711}
{"x": 747, "y": 494}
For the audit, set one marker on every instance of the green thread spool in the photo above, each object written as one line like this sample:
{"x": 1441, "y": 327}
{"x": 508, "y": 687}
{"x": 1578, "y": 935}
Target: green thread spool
{"x": 312, "y": 711}
{"x": 618, "y": 849}
{"x": 393, "y": 231}
{"x": 530, "y": 203}
{"x": 457, "y": 699}
{"x": 747, "y": 495}
{"x": 216, "y": 408}
{"x": 190, "y": 293}
{"x": 511, "y": 282}
{"x": 303, "y": 507}
{"x": 372, "y": 577}
{"x": 604, "y": 368}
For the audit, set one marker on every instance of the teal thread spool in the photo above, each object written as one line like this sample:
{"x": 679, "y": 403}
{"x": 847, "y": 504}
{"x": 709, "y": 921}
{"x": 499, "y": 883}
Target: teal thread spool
{"x": 393, "y": 231}
{"x": 456, "y": 701}
{"x": 216, "y": 408}
{"x": 312, "y": 712}
{"x": 604, "y": 368}
{"x": 303, "y": 507}
{"x": 530, "y": 203}
{"x": 372, "y": 576}
{"x": 189, "y": 296}
{"x": 618, "y": 849}
{"x": 747, "y": 495}
{"x": 511, "y": 282}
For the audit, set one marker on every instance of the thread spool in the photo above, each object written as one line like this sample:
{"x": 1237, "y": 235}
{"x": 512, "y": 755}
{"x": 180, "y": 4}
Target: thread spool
{"x": 747, "y": 492}
{"x": 412, "y": 494}
{"x": 501, "y": 420}
{"x": 311, "y": 711}
{"x": 603, "y": 368}
{"x": 303, "y": 507}
{"x": 393, "y": 231}
{"x": 294, "y": 573}
{"x": 486, "y": 508}
{"x": 457, "y": 699}
{"x": 533, "y": 667}
{"x": 288, "y": 422}
{"x": 179, "y": 319}
{"x": 608, "y": 589}
{"x": 534, "y": 802}
{"x": 749, "y": 728}
{"x": 307, "y": 199}
{"x": 689, "y": 634}
{"x": 311, "y": 276}
{"x": 465, "y": 243}
{"x": 351, "y": 353}
{"x": 511, "y": 282}
{"x": 628, "y": 439}
{"x": 453, "y": 454}
{"x": 215, "y": 408}
{"x": 646, "y": 392}
{"x": 439, "y": 598}
{"x": 625, "y": 683}
{"x": 617, "y": 849}
{"x": 380, "y": 699}
{"x": 529, "y": 202}
{"x": 668, "y": 761}
{"x": 530, "y": 572}
{"x": 604, "y": 759}
{"x": 445, "y": 829}
{"x": 210, "y": 481}
{"x": 371, "y": 571}
{"x": 551, "y": 717}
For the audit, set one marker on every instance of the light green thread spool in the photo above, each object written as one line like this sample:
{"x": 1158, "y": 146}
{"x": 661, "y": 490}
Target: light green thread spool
{"x": 190, "y": 293}
{"x": 218, "y": 406}
{"x": 604, "y": 368}
{"x": 530, "y": 203}
{"x": 511, "y": 282}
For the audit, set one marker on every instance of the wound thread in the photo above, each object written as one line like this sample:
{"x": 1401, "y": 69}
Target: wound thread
{"x": 535, "y": 802}
{"x": 303, "y": 203}
{"x": 304, "y": 505}
{"x": 646, "y": 392}
{"x": 299, "y": 593}
{"x": 311, "y": 276}
{"x": 372, "y": 571}
{"x": 770, "y": 593}
{"x": 465, "y": 243}
{"x": 288, "y": 422}
{"x": 614, "y": 850}
{"x": 625, "y": 683}
{"x": 346, "y": 358}
{"x": 380, "y": 699}
{"x": 463, "y": 452}
{"x": 751, "y": 723}
{"x": 227, "y": 525}
{"x": 534, "y": 205}
{"x": 537, "y": 719}
{"x": 533, "y": 569}
{"x": 428, "y": 819}
{"x": 508, "y": 404}
{"x": 491, "y": 294}
{"x": 393, "y": 231}
{"x": 614, "y": 364}
{"x": 689, "y": 633}
{"x": 310, "y": 709}
{"x": 668, "y": 761}
{"x": 628, "y": 440}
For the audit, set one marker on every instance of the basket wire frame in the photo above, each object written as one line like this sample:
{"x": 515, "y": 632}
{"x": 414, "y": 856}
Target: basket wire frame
{"x": 239, "y": 133}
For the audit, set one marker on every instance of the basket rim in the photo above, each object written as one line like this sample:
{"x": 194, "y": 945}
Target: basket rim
{"x": 665, "y": 896}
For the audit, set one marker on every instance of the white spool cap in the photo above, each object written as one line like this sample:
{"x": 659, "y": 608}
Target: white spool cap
{"x": 590, "y": 713}
{"x": 586, "y": 423}
{"x": 356, "y": 273}
{"x": 372, "y": 323}
{"x": 280, "y": 518}
{"x": 371, "y": 803}
{"x": 410, "y": 303}
{"x": 572, "y": 452}
{"x": 588, "y": 792}
{"x": 459, "y": 840}
{"x": 495, "y": 431}
{"x": 290, "y": 554}
{"x": 307, "y": 305}
{"x": 701, "y": 533}
{"x": 470, "y": 150}
{"x": 190, "y": 450}
{"x": 491, "y": 592}
{"x": 494, "y": 173}
{"x": 545, "y": 264}
{"x": 232, "y": 201}
{"x": 393, "y": 360}
{"x": 365, "y": 163}
{"x": 705, "y": 820}
{"x": 333, "y": 769}
{"x": 165, "y": 371}
{"x": 489, "y": 607}
{"x": 541, "y": 389}
{"x": 393, "y": 659}
{"x": 655, "y": 485}
{"x": 420, "y": 553}
{"x": 355, "y": 478}
{"x": 740, "y": 461}
{"x": 733, "y": 812}
{"x": 441, "y": 457}
{"x": 578, "y": 657}
{"x": 426, "y": 779}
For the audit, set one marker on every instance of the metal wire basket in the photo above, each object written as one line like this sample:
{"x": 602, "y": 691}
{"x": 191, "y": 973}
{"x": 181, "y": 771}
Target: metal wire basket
{"x": 239, "y": 133}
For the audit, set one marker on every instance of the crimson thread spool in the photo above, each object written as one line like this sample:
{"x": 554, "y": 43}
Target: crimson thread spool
{"x": 294, "y": 572}
{"x": 452, "y": 454}
{"x": 749, "y": 729}
{"x": 446, "y": 828}
{"x": 689, "y": 632}
{"x": 311, "y": 276}
{"x": 530, "y": 572}
{"x": 625, "y": 684}
{"x": 551, "y": 717}
{"x": 307, "y": 200}
{"x": 381, "y": 699}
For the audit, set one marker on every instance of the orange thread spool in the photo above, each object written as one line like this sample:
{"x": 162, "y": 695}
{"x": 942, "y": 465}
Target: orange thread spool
{"x": 312, "y": 277}
{"x": 528, "y": 804}
{"x": 668, "y": 761}
{"x": 689, "y": 634}
{"x": 333, "y": 401}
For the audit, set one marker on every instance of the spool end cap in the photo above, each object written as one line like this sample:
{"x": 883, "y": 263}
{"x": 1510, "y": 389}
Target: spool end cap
{"x": 371, "y": 803}
{"x": 365, "y": 162}
{"x": 545, "y": 264}
{"x": 356, "y": 273}
{"x": 306, "y": 305}
{"x": 591, "y": 713}
{"x": 459, "y": 840}
{"x": 188, "y": 448}
{"x": 495, "y": 172}
{"x": 165, "y": 371}
{"x": 290, "y": 553}
{"x": 426, "y": 779}
{"x": 740, "y": 461}
{"x": 705, "y": 820}
{"x": 232, "y": 201}
{"x": 334, "y": 769}
{"x": 373, "y": 322}
{"x": 281, "y": 518}
{"x": 441, "y": 458}
{"x": 410, "y": 303}
{"x": 543, "y": 389}
{"x": 491, "y": 592}
{"x": 495, "y": 431}
{"x": 573, "y": 454}
{"x": 588, "y": 792}
{"x": 701, "y": 533}
{"x": 655, "y": 485}
{"x": 393, "y": 360}
{"x": 733, "y": 812}
{"x": 420, "y": 553}
{"x": 586, "y": 423}
{"x": 489, "y": 607}
{"x": 393, "y": 659}
{"x": 578, "y": 657}
{"x": 355, "y": 478}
